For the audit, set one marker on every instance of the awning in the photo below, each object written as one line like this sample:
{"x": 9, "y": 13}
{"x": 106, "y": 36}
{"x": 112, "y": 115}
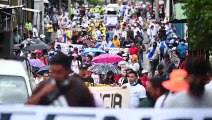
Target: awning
{"x": 31, "y": 10}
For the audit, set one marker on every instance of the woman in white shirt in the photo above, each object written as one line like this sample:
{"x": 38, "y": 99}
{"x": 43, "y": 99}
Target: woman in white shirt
{"x": 134, "y": 65}
{"x": 75, "y": 64}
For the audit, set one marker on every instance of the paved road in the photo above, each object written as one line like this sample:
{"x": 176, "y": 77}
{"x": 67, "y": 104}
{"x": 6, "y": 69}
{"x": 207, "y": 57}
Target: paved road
{"x": 145, "y": 64}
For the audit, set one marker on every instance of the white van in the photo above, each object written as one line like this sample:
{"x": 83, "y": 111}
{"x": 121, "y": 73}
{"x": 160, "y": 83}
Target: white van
{"x": 16, "y": 84}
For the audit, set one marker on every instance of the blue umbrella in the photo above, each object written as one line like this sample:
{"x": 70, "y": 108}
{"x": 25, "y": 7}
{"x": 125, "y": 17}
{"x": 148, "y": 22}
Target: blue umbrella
{"x": 94, "y": 50}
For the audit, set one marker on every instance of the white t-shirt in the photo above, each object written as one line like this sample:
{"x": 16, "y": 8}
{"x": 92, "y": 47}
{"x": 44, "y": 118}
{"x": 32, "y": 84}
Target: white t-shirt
{"x": 75, "y": 66}
{"x": 161, "y": 101}
{"x": 59, "y": 34}
{"x": 96, "y": 78}
{"x": 136, "y": 92}
{"x": 209, "y": 86}
{"x": 134, "y": 66}
{"x": 35, "y": 32}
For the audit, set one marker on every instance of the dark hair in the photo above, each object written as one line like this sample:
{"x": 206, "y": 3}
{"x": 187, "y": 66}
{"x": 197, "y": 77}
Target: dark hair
{"x": 197, "y": 66}
{"x": 110, "y": 73}
{"x": 90, "y": 57}
{"x": 156, "y": 82}
{"x": 160, "y": 67}
{"x": 61, "y": 59}
{"x": 133, "y": 72}
{"x": 166, "y": 56}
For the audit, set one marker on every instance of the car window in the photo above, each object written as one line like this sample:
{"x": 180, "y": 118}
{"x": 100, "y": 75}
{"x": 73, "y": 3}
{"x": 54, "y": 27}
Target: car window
{"x": 13, "y": 90}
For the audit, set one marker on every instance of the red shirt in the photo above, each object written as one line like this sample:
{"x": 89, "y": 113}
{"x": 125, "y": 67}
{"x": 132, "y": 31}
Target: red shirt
{"x": 144, "y": 80}
{"x": 133, "y": 50}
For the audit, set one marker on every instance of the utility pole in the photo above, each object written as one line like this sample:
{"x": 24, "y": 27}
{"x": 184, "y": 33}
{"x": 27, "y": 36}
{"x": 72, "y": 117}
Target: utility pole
{"x": 156, "y": 10}
{"x": 69, "y": 8}
{"x": 60, "y": 2}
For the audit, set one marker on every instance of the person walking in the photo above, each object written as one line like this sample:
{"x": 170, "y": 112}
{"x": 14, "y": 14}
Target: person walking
{"x": 137, "y": 91}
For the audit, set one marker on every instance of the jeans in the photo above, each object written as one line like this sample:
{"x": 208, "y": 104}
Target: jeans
{"x": 153, "y": 66}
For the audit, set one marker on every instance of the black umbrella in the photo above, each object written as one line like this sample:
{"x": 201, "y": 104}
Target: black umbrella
{"x": 36, "y": 44}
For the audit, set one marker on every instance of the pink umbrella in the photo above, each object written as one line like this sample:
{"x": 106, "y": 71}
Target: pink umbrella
{"x": 107, "y": 58}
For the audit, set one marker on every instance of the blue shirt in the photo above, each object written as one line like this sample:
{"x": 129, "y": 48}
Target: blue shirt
{"x": 182, "y": 50}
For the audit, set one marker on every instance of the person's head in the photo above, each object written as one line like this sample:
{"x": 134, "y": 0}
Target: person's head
{"x": 60, "y": 67}
{"x": 89, "y": 58}
{"x": 110, "y": 75}
{"x": 145, "y": 73}
{"x": 45, "y": 76}
{"x": 28, "y": 21}
{"x": 166, "y": 57}
{"x": 75, "y": 56}
{"x": 152, "y": 27}
{"x": 132, "y": 44}
{"x": 39, "y": 54}
{"x": 160, "y": 69}
{"x": 155, "y": 89}
{"x": 154, "y": 44}
{"x": 133, "y": 77}
{"x": 115, "y": 37}
{"x": 197, "y": 69}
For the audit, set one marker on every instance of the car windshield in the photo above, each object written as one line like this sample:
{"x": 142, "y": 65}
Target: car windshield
{"x": 12, "y": 90}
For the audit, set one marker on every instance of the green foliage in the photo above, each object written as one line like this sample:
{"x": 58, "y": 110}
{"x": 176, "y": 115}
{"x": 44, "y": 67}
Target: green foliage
{"x": 96, "y": 2}
{"x": 199, "y": 23}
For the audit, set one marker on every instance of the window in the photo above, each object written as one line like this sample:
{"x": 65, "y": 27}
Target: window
{"x": 13, "y": 90}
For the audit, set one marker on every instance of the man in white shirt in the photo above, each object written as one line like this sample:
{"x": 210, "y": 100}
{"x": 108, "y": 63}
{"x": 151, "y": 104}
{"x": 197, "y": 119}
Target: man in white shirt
{"x": 137, "y": 91}
{"x": 35, "y": 32}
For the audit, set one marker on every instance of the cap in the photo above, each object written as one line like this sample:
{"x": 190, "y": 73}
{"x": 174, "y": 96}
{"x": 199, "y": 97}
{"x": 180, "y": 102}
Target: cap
{"x": 177, "y": 81}
{"x": 144, "y": 71}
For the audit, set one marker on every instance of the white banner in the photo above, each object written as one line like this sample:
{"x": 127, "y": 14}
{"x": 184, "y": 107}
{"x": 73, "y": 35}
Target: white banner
{"x": 58, "y": 113}
{"x": 113, "y": 97}
{"x": 114, "y": 50}
{"x": 65, "y": 47}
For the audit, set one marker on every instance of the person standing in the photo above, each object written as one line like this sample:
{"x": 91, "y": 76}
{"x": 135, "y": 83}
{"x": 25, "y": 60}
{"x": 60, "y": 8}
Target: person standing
{"x": 154, "y": 90}
{"x": 54, "y": 19}
{"x": 153, "y": 54}
{"x": 196, "y": 96}
{"x": 116, "y": 42}
{"x": 169, "y": 65}
{"x": 28, "y": 26}
{"x": 59, "y": 34}
{"x": 35, "y": 32}
{"x": 134, "y": 50}
{"x": 137, "y": 91}
{"x": 182, "y": 49}
{"x": 75, "y": 64}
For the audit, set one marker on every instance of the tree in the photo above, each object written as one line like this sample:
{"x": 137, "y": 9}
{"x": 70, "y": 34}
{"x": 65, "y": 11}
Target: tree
{"x": 199, "y": 17}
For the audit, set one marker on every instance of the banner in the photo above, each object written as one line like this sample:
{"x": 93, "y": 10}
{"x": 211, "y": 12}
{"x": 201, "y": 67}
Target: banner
{"x": 65, "y": 47}
{"x": 113, "y": 97}
{"x": 114, "y": 50}
{"x": 18, "y": 112}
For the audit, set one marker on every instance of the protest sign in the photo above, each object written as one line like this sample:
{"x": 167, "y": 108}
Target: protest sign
{"x": 114, "y": 50}
{"x": 113, "y": 97}
{"x": 65, "y": 47}
{"x": 18, "y": 112}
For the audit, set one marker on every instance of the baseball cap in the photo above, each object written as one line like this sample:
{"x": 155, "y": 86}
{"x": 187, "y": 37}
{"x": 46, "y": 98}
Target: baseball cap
{"x": 177, "y": 81}
{"x": 144, "y": 71}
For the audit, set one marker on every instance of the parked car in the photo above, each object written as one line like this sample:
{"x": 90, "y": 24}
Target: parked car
{"x": 16, "y": 82}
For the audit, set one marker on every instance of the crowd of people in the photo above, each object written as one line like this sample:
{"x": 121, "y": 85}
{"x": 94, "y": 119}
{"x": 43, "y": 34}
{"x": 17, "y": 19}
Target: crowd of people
{"x": 173, "y": 74}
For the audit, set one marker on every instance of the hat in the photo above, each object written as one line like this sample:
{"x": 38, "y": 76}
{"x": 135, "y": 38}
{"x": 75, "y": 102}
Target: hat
{"x": 144, "y": 71}
{"x": 39, "y": 52}
{"x": 174, "y": 48}
{"x": 42, "y": 36}
{"x": 74, "y": 55}
{"x": 177, "y": 81}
